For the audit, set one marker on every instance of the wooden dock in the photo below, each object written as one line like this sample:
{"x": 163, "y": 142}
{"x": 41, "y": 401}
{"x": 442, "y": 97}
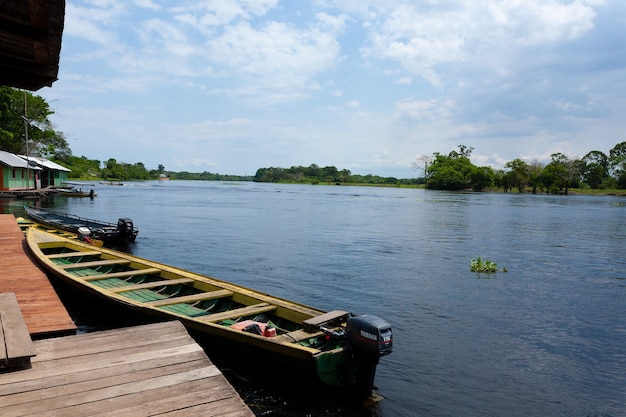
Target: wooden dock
{"x": 156, "y": 369}
{"x": 41, "y": 308}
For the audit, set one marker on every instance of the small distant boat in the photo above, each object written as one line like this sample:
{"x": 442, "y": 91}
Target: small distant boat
{"x": 111, "y": 234}
{"x": 335, "y": 348}
{"x": 163, "y": 177}
{"x": 111, "y": 183}
{"x": 73, "y": 192}
{"x": 74, "y": 189}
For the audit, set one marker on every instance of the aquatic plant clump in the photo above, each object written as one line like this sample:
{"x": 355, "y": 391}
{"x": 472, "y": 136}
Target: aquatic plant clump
{"x": 480, "y": 265}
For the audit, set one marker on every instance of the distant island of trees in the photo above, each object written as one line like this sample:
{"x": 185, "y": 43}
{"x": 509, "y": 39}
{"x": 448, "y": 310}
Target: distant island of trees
{"x": 25, "y": 129}
{"x": 453, "y": 171}
{"x": 112, "y": 170}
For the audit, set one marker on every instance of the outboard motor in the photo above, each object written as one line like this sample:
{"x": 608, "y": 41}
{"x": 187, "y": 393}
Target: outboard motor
{"x": 125, "y": 228}
{"x": 370, "y": 338}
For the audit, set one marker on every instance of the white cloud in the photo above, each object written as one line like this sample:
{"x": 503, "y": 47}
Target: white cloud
{"x": 335, "y": 24}
{"x": 426, "y": 109}
{"x": 93, "y": 24}
{"x": 538, "y": 22}
{"x": 236, "y": 85}
{"x": 148, "y": 4}
{"x": 424, "y": 38}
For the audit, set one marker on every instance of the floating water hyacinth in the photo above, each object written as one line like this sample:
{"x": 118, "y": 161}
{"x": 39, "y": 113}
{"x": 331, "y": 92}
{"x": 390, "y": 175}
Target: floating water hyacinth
{"x": 480, "y": 265}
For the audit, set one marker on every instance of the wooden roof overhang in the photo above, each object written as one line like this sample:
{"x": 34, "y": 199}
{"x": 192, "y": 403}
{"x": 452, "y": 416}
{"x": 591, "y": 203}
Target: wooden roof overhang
{"x": 30, "y": 42}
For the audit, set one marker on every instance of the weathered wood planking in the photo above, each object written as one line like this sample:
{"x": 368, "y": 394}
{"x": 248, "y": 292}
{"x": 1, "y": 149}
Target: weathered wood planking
{"x": 41, "y": 308}
{"x": 16, "y": 346}
{"x": 155, "y": 369}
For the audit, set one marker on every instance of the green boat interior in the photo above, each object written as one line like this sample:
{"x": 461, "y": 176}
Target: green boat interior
{"x": 178, "y": 295}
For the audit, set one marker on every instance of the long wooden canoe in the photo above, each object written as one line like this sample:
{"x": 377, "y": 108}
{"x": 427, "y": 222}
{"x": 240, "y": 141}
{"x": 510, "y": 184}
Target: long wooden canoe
{"x": 339, "y": 348}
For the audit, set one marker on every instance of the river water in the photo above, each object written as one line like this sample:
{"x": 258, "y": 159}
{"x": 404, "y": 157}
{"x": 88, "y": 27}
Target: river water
{"x": 545, "y": 338}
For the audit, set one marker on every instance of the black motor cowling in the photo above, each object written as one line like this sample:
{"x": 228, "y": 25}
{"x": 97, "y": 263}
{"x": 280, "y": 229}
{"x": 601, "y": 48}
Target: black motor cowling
{"x": 370, "y": 334}
{"x": 370, "y": 337}
{"x": 125, "y": 226}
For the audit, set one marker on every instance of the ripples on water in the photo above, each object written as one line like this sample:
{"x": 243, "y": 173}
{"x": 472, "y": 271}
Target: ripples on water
{"x": 547, "y": 338}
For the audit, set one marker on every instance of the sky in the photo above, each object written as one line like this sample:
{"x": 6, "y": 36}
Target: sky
{"x": 231, "y": 86}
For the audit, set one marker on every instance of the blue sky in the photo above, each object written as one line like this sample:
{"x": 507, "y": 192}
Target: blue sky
{"x": 233, "y": 86}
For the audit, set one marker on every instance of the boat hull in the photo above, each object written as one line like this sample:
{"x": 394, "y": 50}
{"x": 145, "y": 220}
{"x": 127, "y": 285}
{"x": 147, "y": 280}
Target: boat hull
{"x": 334, "y": 365}
{"x": 108, "y": 233}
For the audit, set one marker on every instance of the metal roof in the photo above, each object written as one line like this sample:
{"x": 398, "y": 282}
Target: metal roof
{"x": 30, "y": 42}
{"x": 14, "y": 161}
{"x": 46, "y": 163}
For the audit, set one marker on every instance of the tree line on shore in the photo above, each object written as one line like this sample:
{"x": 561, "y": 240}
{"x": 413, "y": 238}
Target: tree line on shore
{"x": 26, "y": 129}
{"x": 452, "y": 171}
{"x": 595, "y": 170}
{"x": 314, "y": 174}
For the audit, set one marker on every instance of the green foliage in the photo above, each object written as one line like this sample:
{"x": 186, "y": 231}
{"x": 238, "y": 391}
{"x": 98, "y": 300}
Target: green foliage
{"x": 481, "y": 178}
{"x": 205, "y": 176}
{"x": 617, "y": 160}
{"x": 452, "y": 171}
{"x": 43, "y": 139}
{"x": 479, "y": 265}
{"x": 313, "y": 174}
{"x": 121, "y": 171}
{"x": 519, "y": 174}
{"x": 81, "y": 167}
{"x": 595, "y": 168}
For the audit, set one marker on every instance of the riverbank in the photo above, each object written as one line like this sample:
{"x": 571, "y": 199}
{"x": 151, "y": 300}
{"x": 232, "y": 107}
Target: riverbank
{"x": 571, "y": 191}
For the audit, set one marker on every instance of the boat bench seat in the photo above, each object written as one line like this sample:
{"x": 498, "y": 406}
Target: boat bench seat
{"x": 124, "y": 274}
{"x": 191, "y": 298}
{"x": 73, "y": 254}
{"x": 314, "y": 323}
{"x": 102, "y": 262}
{"x": 238, "y": 312}
{"x": 16, "y": 346}
{"x": 296, "y": 336}
{"x": 152, "y": 284}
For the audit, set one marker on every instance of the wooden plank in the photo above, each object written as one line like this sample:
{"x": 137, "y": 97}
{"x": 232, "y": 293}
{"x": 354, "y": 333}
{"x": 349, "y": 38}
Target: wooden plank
{"x": 41, "y": 308}
{"x": 190, "y": 298}
{"x": 77, "y": 382}
{"x": 123, "y": 274}
{"x": 16, "y": 339}
{"x": 313, "y": 324}
{"x": 152, "y": 284}
{"x": 170, "y": 404}
{"x": 102, "y": 262}
{"x": 296, "y": 336}
{"x": 47, "y": 380}
{"x": 239, "y": 312}
{"x": 144, "y": 380}
{"x": 73, "y": 254}
{"x": 98, "y": 342}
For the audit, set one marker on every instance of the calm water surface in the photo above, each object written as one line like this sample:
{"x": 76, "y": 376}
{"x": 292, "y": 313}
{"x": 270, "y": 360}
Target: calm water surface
{"x": 546, "y": 338}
